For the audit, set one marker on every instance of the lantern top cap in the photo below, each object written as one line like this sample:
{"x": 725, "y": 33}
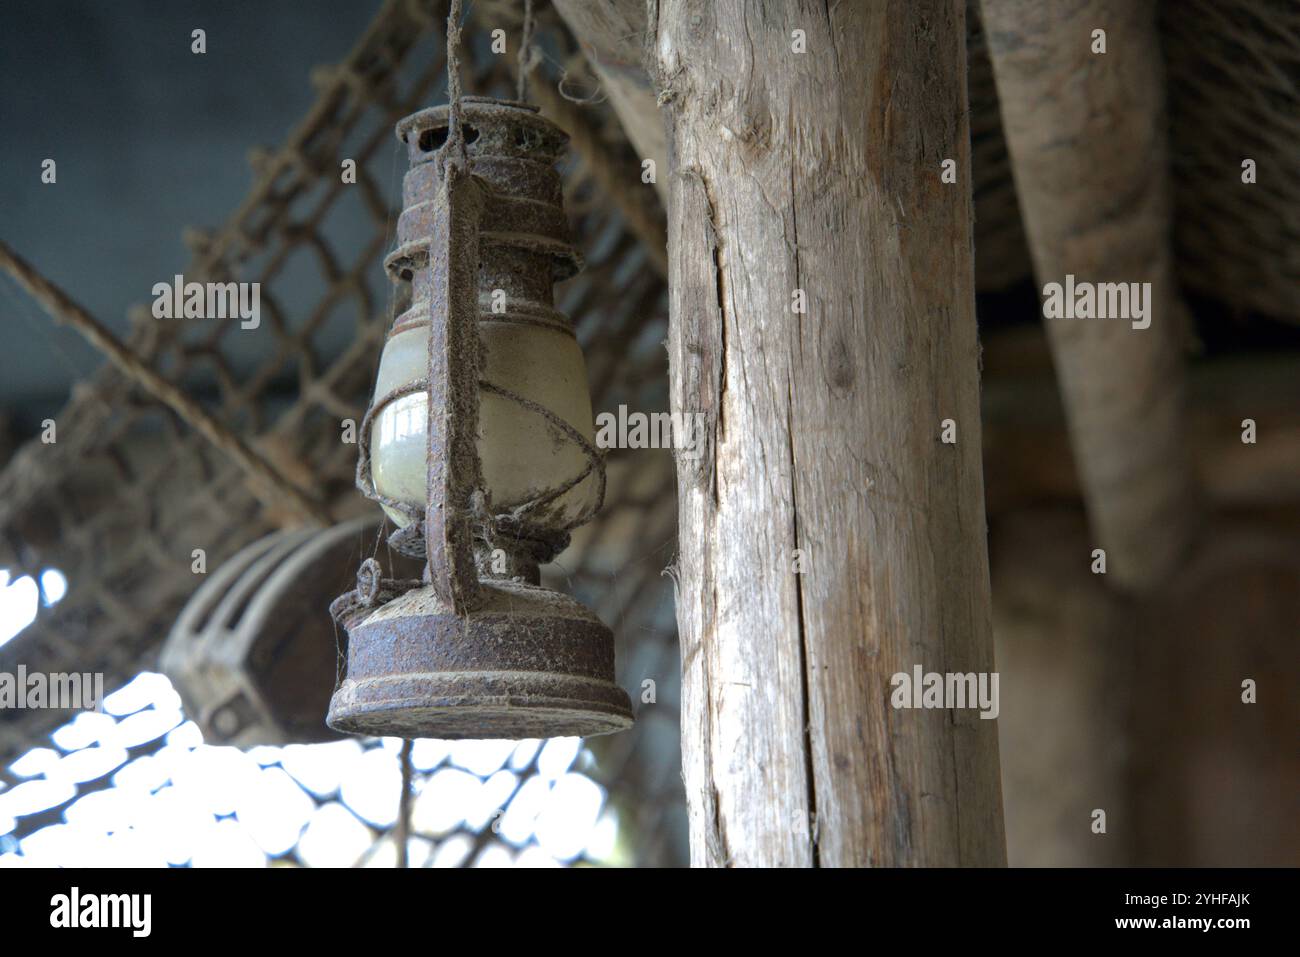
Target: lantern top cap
{"x": 519, "y": 127}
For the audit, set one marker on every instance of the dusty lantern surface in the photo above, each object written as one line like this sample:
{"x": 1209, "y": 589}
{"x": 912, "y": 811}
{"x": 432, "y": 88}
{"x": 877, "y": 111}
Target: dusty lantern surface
{"x": 478, "y": 445}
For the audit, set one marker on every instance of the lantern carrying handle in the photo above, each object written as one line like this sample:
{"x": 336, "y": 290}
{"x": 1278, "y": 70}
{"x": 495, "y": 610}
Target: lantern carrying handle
{"x": 454, "y": 469}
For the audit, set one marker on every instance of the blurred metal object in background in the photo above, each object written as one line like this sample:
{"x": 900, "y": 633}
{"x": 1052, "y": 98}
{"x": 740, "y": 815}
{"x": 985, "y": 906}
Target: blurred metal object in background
{"x": 254, "y": 654}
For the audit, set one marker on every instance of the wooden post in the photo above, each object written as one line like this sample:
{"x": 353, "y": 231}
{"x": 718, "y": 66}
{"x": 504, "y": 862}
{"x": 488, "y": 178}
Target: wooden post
{"x": 1086, "y": 133}
{"x": 828, "y": 537}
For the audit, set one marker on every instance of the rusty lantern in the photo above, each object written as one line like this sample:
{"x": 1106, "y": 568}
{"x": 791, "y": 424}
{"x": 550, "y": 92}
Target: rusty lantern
{"x": 478, "y": 445}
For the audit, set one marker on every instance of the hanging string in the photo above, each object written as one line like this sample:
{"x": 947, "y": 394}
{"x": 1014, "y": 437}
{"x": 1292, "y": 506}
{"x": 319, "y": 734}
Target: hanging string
{"x": 455, "y": 135}
{"x": 526, "y": 58}
{"x": 403, "y": 836}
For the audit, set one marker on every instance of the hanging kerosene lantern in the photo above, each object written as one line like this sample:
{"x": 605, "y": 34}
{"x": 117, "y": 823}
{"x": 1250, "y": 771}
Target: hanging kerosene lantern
{"x": 478, "y": 445}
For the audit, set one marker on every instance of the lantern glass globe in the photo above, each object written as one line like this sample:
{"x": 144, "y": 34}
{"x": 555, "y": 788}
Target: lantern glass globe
{"x": 522, "y": 453}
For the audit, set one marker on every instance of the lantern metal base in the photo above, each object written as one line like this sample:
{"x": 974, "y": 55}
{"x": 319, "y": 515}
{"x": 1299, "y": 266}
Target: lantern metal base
{"x": 528, "y": 663}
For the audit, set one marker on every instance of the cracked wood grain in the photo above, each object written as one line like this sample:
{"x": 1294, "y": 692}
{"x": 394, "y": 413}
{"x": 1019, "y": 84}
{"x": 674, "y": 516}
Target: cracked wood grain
{"x": 821, "y": 171}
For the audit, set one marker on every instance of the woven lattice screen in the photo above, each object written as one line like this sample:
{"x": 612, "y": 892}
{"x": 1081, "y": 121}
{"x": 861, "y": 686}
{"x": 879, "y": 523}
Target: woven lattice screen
{"x": 128, "y": 491}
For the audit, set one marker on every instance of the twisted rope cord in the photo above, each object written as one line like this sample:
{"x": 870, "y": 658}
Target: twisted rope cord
{"x": 527, "y": 59}
{"x": 455, "y": 133}
{"x": 372, "y": 590}
{"x": 595, "y": 462}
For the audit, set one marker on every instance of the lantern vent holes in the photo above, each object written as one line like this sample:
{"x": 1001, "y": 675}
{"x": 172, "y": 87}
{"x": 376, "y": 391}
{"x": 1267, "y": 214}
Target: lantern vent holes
{"x": 436, "y": 138}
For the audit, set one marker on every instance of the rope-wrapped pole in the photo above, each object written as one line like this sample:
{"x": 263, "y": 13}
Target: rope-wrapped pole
{"x": 454, "y": 471}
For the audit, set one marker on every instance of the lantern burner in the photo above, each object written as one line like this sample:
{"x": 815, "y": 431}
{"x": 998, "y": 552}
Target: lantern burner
{"x": 529, "y": 662}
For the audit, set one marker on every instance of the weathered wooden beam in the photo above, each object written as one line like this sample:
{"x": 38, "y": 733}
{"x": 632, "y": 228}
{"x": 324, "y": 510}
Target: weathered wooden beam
{"x": 1086, "y": 135}
{"x": 828, "y": 538}
{"x": 613, "y": 36}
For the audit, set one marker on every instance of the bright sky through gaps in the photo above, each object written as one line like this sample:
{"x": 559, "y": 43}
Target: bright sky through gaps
{"x": 19, "y": 599}
{"x": 187, "y": 802}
